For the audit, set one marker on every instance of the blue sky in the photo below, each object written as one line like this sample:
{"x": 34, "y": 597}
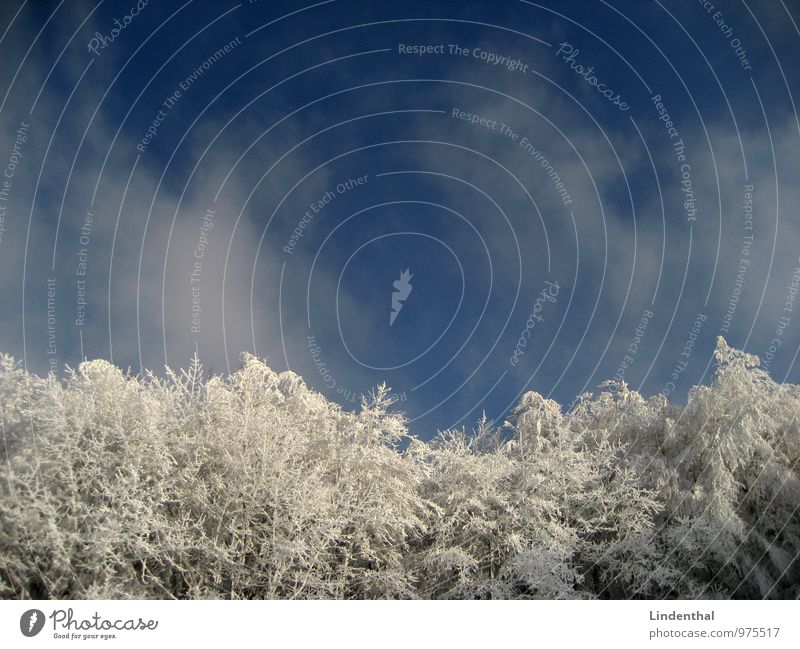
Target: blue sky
{"x": 580, "y": 191}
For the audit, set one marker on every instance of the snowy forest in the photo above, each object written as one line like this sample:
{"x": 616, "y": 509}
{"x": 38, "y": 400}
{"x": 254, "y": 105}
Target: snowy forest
{"x": 253, "y": 486}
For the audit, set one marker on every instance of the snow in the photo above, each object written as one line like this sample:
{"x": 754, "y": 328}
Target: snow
{"x": 254, "y": 486}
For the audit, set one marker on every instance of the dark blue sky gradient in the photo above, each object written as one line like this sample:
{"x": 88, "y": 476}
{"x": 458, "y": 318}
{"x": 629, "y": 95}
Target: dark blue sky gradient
{"x": 308, "y": 98}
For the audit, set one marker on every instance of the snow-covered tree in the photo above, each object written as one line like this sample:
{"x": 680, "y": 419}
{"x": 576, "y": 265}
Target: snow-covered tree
{"x": 254, "y": 486}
